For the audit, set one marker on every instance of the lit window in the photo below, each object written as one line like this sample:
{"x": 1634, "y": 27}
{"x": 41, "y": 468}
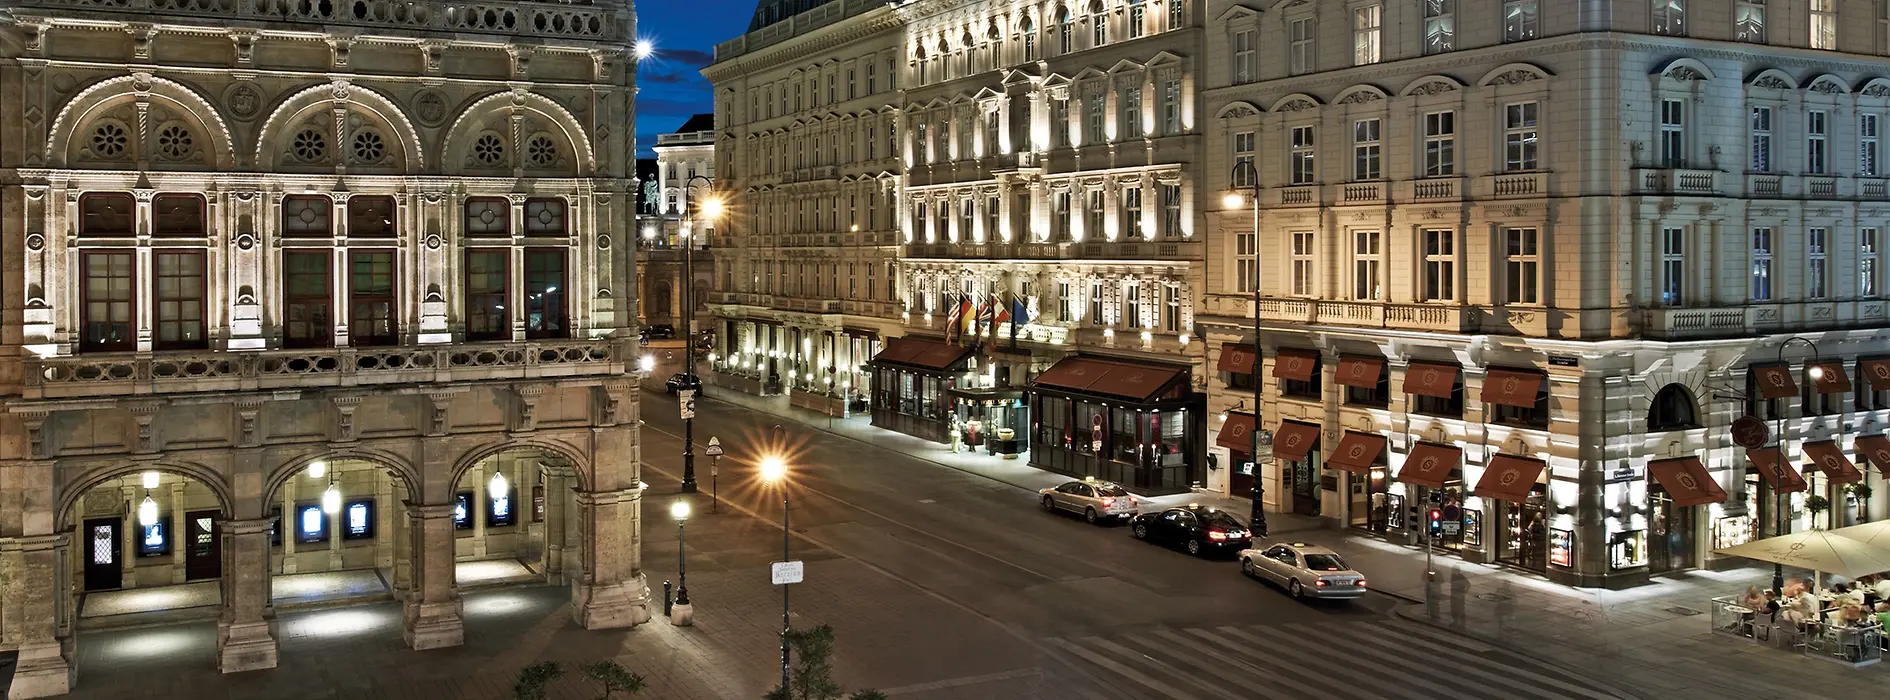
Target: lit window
{"x": 1670, "y": 17}
{"x": 1824, "y": 24}
{"x": 1761, "y": 139}
{"x": 1867, "y": 262}
{"x": 1365, "y": 34}
{"x": 1749, "y": 21}
{"x": 1815, "y": 261}
{"x": 1519, "y": 137}
{"x": 1520, "y": 20}
{"x": 1440, "y": 26}
{"x": 1867, "y": 145}
{"x": 1762, "y": 263}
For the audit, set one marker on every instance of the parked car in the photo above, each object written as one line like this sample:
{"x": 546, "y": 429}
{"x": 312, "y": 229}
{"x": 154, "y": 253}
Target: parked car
{"x": 1197, "y": 528}
{"x": 679, "y": 381}
{"x": 1306, "y": 571}
{"x": 1096, "y": 500}
{"x": 660, "y": 331}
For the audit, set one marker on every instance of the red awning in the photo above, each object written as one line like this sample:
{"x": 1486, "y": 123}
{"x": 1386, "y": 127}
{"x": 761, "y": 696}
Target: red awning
{"x": 1430, "y": 464}
{"x": 1766, "y": 459}
{"x": 1357, "y": 452}
{"x": 1775, "y": 381}
{"x": 1509, "y": 478}
{"x": 1294, "y": 440}
{"x": 924, "y": 353}
{"x": 902, "y": 349}
{"x": 1876, "y": 372}
{"x": 1828, "y": 456}
{"x": 1361, "y": 372}
{"x": 1833, "y": 380}
{"x": 1686, "y": 481}
{"x": 1129, "y": 381}
{"x": 1428, "y": 379}
{"x": 1875, "y": 448}
{"x": 1297, "y": 365}
{"x": 1235, "y": 358}
{"x": 1511, "y": 388}
{"x": 1236, "y": 432}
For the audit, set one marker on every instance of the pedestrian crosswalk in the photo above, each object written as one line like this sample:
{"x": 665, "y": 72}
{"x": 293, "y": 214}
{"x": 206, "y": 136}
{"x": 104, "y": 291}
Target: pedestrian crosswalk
{"x": 1385, "y": 658}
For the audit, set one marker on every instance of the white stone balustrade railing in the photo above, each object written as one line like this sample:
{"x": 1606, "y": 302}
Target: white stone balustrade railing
{"x": 567, "y": 19}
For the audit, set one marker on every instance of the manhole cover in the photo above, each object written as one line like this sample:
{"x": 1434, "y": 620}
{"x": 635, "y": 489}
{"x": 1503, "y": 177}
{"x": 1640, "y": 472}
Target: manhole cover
{"x": 1677, "y": 610}
{"x": 1492, "y": 597}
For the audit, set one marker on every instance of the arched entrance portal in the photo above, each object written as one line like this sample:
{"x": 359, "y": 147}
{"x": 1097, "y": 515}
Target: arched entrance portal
{"x": 516, "y": 520}
{"x": 336, "y": 533}
{"x": 137, "y": 535}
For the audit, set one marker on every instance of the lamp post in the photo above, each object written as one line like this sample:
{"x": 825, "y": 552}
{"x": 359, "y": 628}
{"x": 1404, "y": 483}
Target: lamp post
{"x": 681, "y": 614}
{"x": 714, "y": 451}
{"x": 774, "y": 470}
{"x": 711, "y": 208}
{"x": 1779, "y": 498}
{"x": 1250, "y": 193}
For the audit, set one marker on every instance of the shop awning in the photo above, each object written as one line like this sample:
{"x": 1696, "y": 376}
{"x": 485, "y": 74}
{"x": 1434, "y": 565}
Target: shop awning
{"x": 1686, "y": 480}
{"x": 1294, "y": 440}
{"x": 1833, "y": 380}
{"x": 1511, "y": 388}
{"x": 1781, "y": 477}
{"x": 1430, "y": 464}
{"x": 1429, "y": 379}
{"x": 1361, "y": 372}
{"x": 1236, "y": 432}
{"x": 1357, "y": 452}
{"x": 1876, "y": 372}
{"x": 1509, "y": 478}
{"x": 1774, "y": 381}
{"x": 1123, "y": 380}
{"x": 1829, "y": 457}
{"x": 923, "y": 353}
{"x": 1875, "y": 448}
{"x": 1297, "y": 365}
{"x": 1235, "y": 358}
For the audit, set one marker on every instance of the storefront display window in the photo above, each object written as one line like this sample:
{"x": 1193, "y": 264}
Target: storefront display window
{"x": 155, "y": 541}
{"x": 462, "y": 510}
{"x": 499, "y": 510}
{"x": 1561, "y": 547}
{"x": 358, "y": 520}
{"x": 1394, "y": 503}
{"x": 311, "y": 524}
{"x": 1627, "y": 549}
{"x": 1472, "y": 528}
{"x": 1733, "y": 531}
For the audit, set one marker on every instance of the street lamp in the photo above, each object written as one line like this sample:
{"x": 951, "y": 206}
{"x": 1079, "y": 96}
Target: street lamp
{"x": 1779, "y": 497}
{"x": 774, "y": 471}
{"x": 711, "y": 208}
{"x": 1236, "y": 196}
{"x": 680, "y": 614}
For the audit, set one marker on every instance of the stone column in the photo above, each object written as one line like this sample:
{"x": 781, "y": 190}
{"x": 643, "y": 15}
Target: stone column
{"x": 403, "y": 556}
{"x": 291, "y": 526}
{"x": 43, "y": 669}
{"x": 177, "y": 529}
{"x": 479, "y": 507}
{"x": 244, "y": 642}
{"x": 431, "y": 619}
{"x": 554, "y": 527}
{"x": 385, "y": 533}
{"x": 130, "y": 535}
{"x": 611, "y": 592}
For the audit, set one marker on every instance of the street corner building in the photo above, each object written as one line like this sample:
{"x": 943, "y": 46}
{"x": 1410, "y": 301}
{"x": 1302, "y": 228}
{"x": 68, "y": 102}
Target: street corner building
{"x": 314, "y": 287}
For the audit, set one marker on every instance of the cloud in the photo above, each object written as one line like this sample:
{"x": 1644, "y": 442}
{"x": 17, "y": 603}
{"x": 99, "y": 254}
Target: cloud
{"x": 669, "y": 78}
{"x": 689, "y": 57}
{"x": 661, "y": 106}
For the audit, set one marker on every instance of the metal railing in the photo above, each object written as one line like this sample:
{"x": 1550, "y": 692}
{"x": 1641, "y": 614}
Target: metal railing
{"x": 1858, "y": 645}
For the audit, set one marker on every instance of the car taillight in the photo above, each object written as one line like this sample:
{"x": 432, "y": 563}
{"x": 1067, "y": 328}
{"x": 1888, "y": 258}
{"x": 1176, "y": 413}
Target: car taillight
{"x": 1321, "y": 583}
{"x": 1360, "y": 584}
{"x": 1107, "y": 501}
{"x": 1216, "y": 535}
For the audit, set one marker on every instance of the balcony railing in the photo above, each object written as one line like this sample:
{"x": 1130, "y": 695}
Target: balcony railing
{"x": 1519, "y": 185}
{"x": 559, "y": 20}
{"x": 196, "y": 372}
{"x": 1680, "y": 182}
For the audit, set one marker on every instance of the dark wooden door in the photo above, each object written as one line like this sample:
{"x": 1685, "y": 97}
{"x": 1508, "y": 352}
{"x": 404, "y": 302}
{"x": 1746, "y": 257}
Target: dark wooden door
{"x": 103, "y": 570}
{"x": 203, "y": 556}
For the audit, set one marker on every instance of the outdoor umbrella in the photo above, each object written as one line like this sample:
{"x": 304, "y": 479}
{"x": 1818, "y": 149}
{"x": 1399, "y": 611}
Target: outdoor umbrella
{"x": 1875, "y": 534}
{"x": 1821, "y": 551}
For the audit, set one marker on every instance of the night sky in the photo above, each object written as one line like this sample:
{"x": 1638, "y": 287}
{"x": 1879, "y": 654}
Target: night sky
{"x": 685, "y": 32}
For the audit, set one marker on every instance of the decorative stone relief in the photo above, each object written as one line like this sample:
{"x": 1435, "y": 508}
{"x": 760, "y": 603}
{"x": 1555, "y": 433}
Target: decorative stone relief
{"x": 141, "y": 36}
{"x": 245, "y": 41}
{"x": 437, "y": 424}
{"x": 1435, "y": 87}
{"x": 1772, "y": 82}
{"x": 1876, "y": 91}
{"x": 344, "y": 417}
{"x": 243, "y": 100}
{"x": 1361, "y": 97}
{"x": 247, "y": 411}
{"x": 1827, "y": 87}
{"x": 528, "y": 395}
{"x": 429, "y": 106}
{"x": 1685, "y": 73}
{"x": 1241, "y": 112}
{"x": 1297, "y": 106}
{"x": 143, "y": 413}
{"x": 1514, "y": 77}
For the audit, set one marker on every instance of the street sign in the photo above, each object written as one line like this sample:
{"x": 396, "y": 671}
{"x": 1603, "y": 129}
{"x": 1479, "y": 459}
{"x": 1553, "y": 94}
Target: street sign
{"x": 1096, "y": 433}
{"x": 1452, "y": 527}
{"x": 686, "y": 400}
{"x": 1750, "y": 432}
{"x": 786, "y": 572}
{"x": 714, "y": 449}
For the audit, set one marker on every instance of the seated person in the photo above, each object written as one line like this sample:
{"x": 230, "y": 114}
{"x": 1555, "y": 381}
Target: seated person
{"x": 1883, "y": 614}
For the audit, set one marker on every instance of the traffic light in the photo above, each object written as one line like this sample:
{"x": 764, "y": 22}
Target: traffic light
{"x": 1436, "y": 522}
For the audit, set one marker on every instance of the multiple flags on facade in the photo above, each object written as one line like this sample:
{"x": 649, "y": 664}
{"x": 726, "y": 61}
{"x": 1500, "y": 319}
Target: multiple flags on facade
{"x": 965, "y": 320}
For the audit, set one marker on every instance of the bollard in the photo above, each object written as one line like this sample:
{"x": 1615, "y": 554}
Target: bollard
{"x": 668, "y": 605}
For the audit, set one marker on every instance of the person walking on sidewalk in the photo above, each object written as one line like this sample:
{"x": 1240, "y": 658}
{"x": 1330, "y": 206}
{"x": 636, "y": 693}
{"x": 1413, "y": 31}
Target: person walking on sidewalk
{"x": 1459, "y": 588}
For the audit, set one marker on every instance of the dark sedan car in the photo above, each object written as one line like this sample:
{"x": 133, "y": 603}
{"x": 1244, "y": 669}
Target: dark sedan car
{"x": 1199, "y": 529}
{"x": 679, "y": 381}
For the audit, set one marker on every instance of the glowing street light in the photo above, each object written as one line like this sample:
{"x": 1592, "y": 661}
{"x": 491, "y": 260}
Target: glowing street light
{"x": 647, "y": 364}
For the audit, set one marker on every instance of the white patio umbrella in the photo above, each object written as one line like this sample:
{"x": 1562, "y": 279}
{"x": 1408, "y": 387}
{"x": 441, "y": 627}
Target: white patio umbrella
{"x": 1875, "y": 534}
{"x": 1822, "y": 551}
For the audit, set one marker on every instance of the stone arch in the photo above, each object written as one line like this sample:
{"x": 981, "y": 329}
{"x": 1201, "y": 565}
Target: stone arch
{"x": 399, "y": 466}
{"x": 299, "y": 108}
{"x": 1295, "y": 102}
{"x": 89, "y": 478}
{"x": 1673, "y": 408}
{"x": 1359, "y": 94}
{"x": 554, "y": 123}
{"x": 1773, "y": 78}
{"x": 1685, "y": 69}
{"x": 1431, "y": 85}
{"x": 1513, "y": 73}
{"x": 101, "y": 97}
{"x": 1828, "y": 84}
{"x": 1874, "y": 87}
{"x": 574, "y": 456}
{"x": 1238, "y": 109}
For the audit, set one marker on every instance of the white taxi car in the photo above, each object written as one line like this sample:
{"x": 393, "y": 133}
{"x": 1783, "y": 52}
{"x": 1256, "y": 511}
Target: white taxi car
{"x": 1096, "y": 500}
{"x": 1306, "y": 571}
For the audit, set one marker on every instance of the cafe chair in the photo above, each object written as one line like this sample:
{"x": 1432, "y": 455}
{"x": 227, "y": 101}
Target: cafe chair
{"x": 1764, "y": 628}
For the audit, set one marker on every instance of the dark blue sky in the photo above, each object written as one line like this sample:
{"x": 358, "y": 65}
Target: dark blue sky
{"x": 685, "y": 32}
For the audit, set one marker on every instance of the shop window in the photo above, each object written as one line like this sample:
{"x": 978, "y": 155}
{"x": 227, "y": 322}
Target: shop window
{"x": 1439, "y": 406}
{"x": 371, "y": 217}
{"x": 1536, "y": 416}
{"x": 1309, "y": 389}
{"x": 1238, "y": 380}
{"x": 500, "y": 511}
{"x": 177, "y": 215}
{"x": 155, "y": 540}
{"x": 311, "y": 524}
{"x": 462, "y": 510}
{"x": 1672, "y": 410}
{"x": 107, "y": 214}
{"x": 1377, "y": 395}
{"x": 357, "y": 521}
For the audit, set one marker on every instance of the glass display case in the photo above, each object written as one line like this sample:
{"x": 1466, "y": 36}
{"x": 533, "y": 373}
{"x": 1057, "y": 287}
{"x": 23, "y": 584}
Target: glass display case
{"x": 1561, "y": 547}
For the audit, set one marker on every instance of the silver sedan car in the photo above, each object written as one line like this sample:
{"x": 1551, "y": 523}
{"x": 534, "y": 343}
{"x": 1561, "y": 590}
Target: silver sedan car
{"x": 1307, "y": 571}
{"x": 1095, "y": 500}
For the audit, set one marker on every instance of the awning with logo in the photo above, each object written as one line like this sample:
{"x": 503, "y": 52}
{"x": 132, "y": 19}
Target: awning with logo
{"x": 922, "y": 353}
{"x": 1774, "y": 381}
{"x": 1686, "y": 481}
{"x": 1361, "y": 372}
{"x": 1511, "y": 388}
{"x": 1128, "y": 381}
{"x": 1832, "y": 380}
{"x": 1781, "y": 477}
{"x": 1430, "y": 464}
{"x": 1875, "y": 448}
{"x": 1297, "y": 365}
{"x": 1294, "y": 440}
{"x": 1875, "y": 372}
{"x": 1431, "y": 379}
{"x": 1509, "y": 478}
{"x": 1357, "y": 452}
{"x": 1235, "y": 358}
{"x": 1829, "y": 457}
{"x": 1237, "y": 432}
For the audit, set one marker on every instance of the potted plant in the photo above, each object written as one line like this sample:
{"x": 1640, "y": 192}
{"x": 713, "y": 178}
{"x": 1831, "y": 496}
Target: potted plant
{"x": 1817, "y": 505}
{"x": 1861, "y": 492}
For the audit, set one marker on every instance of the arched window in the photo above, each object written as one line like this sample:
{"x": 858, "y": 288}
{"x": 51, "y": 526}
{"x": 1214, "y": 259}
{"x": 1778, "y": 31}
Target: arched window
{"x": 1672, "y": 410}
{"x": 1029, "y": 32}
